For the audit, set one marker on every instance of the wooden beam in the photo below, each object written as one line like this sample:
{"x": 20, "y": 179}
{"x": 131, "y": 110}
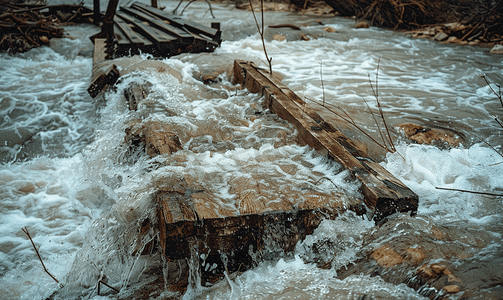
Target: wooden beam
{"x": 104, "y": 73}
{"x": 384, "y": 194}
{"x": 96, "y": 12}
{"x": 192, "y": 221}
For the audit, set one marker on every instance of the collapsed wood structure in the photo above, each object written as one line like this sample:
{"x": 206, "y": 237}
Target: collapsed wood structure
{"x": 140, "y": 28}
{"x": 191, "y": 224}
{"x": 196, "y": 231}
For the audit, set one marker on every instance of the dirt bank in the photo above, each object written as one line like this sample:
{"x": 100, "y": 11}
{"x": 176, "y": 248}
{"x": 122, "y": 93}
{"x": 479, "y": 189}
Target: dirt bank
{"x": 463, "y": 22}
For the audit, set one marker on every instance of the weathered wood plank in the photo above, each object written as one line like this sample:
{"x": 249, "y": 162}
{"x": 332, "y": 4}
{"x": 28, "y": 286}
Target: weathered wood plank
{"x": 213, "y": 33}
{"x": 132, "y": 36}
{"x": 99, "y": 54}
{"x": 150, "y": 32}
{"x": 384, "y": 194}
{"x": 183, "y": 36}
{"x": 103, "y": 74}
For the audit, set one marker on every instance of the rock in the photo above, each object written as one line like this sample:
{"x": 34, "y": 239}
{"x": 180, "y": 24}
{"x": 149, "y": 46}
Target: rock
{"x": 362, "y": 25}
{"x": 427, "y": 271}
{"x": 414, "y": 256}
{"x": 451, "y": 288}
{"x": 386, "y": 257}
{"x": 452, "y": 39}
{"x": 279, "y": 37}
{"x": 431, "y": 136}
{"x": 497, "y": 49}
{"x": 440, "y": 36}
{"x": 210, "y": 78}
{"x": 437, "y": 233}
{"x": 452, "y": 278}
{"x": 44, "y": 39}
{"x": 438, "y": 268}
{"x": 329, "y": 29}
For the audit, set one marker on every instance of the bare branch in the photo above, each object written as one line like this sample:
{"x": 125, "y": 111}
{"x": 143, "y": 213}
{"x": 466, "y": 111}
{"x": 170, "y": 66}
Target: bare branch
{"x": 489, "y": 85}
{"x": 25, "y": 230}
{"x": 472, "y": 192}
{"x": 321, "y": 77}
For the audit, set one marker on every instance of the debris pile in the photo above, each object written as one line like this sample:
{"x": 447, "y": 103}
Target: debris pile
{"x": 475, "y": 20}
{"x": 26, "y": 26}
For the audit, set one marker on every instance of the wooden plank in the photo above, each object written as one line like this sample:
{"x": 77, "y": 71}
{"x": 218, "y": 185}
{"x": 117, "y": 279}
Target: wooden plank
{"x": 183, "y": 36}
{"x": 103, "y": 77}
{"x": 104, "y": 73}
{"x": 99, "y": 54}
{"x": 384, "y": 194}
{"x": 213, "y": 33}
{"x": 239, "y": 238}
{"x": 132, "y": 36}
{"x": 151, "y": 33}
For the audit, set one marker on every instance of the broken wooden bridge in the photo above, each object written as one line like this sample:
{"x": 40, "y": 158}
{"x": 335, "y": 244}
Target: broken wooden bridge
{"x": 192, "y": 222}
{"x": 141, "y": 28}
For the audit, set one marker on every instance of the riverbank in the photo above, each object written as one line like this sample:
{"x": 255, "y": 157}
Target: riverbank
{"x": 460, "y": 22}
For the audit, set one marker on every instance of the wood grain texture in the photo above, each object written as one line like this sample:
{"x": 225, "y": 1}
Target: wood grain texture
{"x": 384, "y": 194}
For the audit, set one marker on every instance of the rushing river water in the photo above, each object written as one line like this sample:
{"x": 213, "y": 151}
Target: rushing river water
{"x": 67, "y": 175}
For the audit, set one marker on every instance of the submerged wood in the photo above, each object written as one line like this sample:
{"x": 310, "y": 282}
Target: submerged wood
{"x": 384, "y": 194}
{"x": 194, "y": 226}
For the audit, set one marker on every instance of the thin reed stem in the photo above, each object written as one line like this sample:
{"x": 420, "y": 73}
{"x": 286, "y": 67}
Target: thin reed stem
{"x": 376, "y": 94}
{"x": 100, "y": 282}
{"x": 350, "y": 120}
{"x": 261, "y": 31}
{"x": 321, "y": 77}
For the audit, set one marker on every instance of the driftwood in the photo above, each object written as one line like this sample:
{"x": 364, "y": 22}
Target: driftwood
{"x": 478, "y": 19}
{"x": 23, "y": 27}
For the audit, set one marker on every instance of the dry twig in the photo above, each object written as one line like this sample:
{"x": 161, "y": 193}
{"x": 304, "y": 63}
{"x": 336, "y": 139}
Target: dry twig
{"x": 261, "y": 32}
{"x": 472, "y": 192}
{"x": 25, "y": 230}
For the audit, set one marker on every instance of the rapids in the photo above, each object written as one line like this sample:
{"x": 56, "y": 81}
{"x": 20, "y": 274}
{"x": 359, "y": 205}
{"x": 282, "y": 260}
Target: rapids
{"x": 68, "y": 176}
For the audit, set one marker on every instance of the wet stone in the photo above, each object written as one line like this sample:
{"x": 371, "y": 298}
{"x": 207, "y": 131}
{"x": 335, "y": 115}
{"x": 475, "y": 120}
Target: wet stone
{"x": 497, "y": 49}
{"x": 362, "y": 25}
{"x": 451, "y": 288}
{"x": 440, "y": 36}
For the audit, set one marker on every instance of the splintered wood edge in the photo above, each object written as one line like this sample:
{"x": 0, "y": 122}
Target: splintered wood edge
{"x": 384, "y": 194}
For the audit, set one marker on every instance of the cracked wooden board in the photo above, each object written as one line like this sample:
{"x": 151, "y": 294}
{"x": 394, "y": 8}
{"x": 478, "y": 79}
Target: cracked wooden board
{"x": 384, "y": 194}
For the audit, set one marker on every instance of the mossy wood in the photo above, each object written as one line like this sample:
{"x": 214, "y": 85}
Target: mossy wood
{"x": 384, "y": 194}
